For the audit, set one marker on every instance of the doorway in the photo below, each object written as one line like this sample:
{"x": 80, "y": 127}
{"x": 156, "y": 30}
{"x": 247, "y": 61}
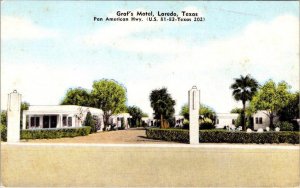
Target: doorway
{"x": 49, "y": 122}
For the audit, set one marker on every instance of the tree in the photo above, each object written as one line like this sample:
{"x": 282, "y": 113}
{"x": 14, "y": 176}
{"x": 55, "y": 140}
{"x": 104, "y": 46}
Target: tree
{"x": 291, "y": 110}
{"x": 136, "y": 114}
{"x": 163, "y": 105}
{"x": 236, "y": 110}
{"x": 205, "y": 112}
{"x": 24, "y": 106}
{"x": 89, "y": 121}
{"x": 145, "y": 115}
{"x": 110, "y": 97}
{"x": 3, "y": 117}
{"x": 271, "y": 98}
{"x": 77, "y": 96}
{"x": 185, "y": 112}
{"x": 244, "y": 89}
{"x": 248, "y": 116}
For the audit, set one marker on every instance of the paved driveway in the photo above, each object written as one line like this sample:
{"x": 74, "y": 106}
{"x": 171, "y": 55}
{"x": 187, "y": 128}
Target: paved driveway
{"x": 130, "y": 136}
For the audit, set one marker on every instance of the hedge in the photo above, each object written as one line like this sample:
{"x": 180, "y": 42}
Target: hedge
{"x": 3, "y": 132}
{"x": 177, "y": 135}
{"x": 54, "y": 133}
{"x": 221, "y": 136}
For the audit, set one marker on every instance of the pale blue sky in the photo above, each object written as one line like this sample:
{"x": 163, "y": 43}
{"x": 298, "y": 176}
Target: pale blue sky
{"x": 48, "y": 47}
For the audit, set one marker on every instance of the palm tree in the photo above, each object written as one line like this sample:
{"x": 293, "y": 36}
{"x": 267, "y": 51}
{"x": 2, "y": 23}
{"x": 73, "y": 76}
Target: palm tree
{"x": 244, "y": 89}
{"x": 163, "y": 105}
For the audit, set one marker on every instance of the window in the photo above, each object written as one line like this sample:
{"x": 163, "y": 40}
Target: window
{"x": 67, "y": 121}
{"x": 70, "y": 121}
{"x": 258, "y": 120}
{"x": 53, "y": 121}
{"x": 32, "y": 121}
{"x": 35, "y": 122}
{"x": 233, "y": 121}
{"x": 217, "y": 121}
{"x": 46, "y": 120}
{"x": 64, "y": 120}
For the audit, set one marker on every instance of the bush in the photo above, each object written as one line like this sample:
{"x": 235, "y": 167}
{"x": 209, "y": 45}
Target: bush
{"x": 250, "y": 123}
{"x": 186, "y": 124}
{"x": 239, "y": 121}
{"x": 3, "y": 131}
{"x": 207, "y": 125}
{"x": 171, "y": 122}
{"x": 122, "y": 124}
{"x": 295, "y": 125}
{"x": 55, "y": 133}
{"x": 90, "y": 122}
{"x": 284, "y": 126}
{"x": 221, "y": 136}
{"x": 177, "y": 135}
{"x": 3, "y": 117}
{"x": 144, "y": 124}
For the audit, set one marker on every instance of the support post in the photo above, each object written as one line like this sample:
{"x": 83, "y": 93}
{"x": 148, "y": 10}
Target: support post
{"x": 194, "y": 105}
{"x": 24, "y": 121}
{"x": 60, "y": 117}
{"x": 13, "y": 117}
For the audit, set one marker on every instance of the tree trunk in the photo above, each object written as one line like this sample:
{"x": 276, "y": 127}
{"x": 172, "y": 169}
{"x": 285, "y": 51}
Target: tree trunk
{"x": 105, "y": 120}
{"x": 243, "y": 116}
{"x": 161, "y": 121}
{"x": 271, "y": 121}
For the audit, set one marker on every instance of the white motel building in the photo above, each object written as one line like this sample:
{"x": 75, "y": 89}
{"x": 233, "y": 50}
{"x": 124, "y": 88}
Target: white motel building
{"x": 66, "y": 116}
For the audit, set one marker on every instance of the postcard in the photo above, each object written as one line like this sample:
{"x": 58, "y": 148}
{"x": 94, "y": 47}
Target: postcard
{"x": 150, "y": 94}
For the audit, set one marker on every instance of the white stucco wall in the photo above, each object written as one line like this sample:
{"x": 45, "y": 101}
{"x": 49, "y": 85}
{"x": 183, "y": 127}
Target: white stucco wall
{"x": 114, "y": 119}
{"x": 265, "y": 120}
{"x": 225, "y": 119}
{"x": 78, "y": 113}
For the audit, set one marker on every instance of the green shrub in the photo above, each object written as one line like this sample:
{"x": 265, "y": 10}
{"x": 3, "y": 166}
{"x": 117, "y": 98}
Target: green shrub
{"x": 144, "y": 124}
{"x": 177, "y": 135}
{"x": 250, "y": 123}
{"x": 55, "y": 133}
{"x": 122, "y": 124}
{"x": 3, "y": 131}
{"x": 221, "y": 136}
{"x": 295, "y": 125}
{"x": 284, "y": 126}
{"x": 3, "y": 117}
{"x": 239, "y": 121}
{"x": 90, "y": 122}
{"x": 207, "y": 125}
{"x": 186, "y": 124}
{"x": 171, "y": 121}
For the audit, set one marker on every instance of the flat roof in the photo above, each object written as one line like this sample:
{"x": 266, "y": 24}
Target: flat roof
{"x": 39, "y": 109}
